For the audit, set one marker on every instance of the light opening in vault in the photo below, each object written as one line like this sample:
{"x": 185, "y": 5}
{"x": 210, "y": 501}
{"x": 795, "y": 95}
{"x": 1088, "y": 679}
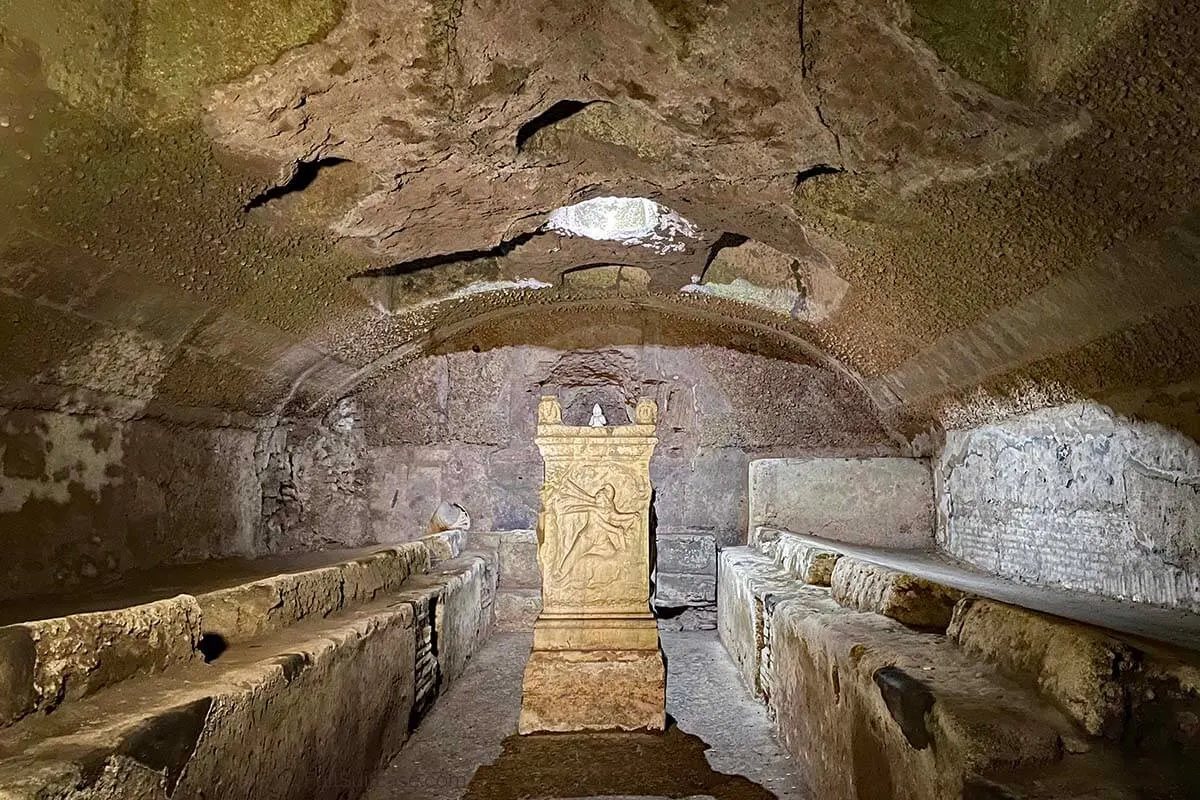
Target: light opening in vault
{"x": 629, "y": 220}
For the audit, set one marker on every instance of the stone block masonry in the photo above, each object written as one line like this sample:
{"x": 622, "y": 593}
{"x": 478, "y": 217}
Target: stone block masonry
{"x": 1076, "y": 497}
{"x": 685, "y": 582}
{"x": 884, "y": 502}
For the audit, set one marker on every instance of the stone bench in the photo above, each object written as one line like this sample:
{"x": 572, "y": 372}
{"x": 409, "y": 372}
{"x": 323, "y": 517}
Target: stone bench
{"x": 44, "y": 663}
{"x": 749, "y": 587}
{"x": 1112, "y": 684}
{"x": 908, "y": 599}
{"x": 351, "y": 677}
{"x": 805, "y": 561}
{"x": 877, "y": 709}
{"x": 1144, "y": 695}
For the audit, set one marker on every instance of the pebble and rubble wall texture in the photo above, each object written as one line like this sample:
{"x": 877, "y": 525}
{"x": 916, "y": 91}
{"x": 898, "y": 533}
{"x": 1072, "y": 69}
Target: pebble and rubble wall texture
{"x": 1077, "y": 497}
{"x": 314, "y": 483}
{"x": 885, "y": 502}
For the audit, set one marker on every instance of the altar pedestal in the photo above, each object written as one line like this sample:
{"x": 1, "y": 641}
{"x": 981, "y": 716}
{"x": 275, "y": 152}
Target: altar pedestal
{"x": 596, "y": 662}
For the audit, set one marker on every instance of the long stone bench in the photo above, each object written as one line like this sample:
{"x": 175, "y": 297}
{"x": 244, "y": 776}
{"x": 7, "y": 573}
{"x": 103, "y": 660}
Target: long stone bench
{"x": 879, "y": 709}
{"x": 44, "y": 663}
{"x": 325, "y": 673}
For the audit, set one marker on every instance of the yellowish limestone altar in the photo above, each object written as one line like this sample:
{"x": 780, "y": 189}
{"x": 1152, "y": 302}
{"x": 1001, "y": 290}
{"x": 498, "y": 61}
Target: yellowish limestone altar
{"x": 596, "y": 662}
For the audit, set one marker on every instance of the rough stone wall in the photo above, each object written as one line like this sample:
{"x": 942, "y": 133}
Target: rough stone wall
{"x": 885, "y": 502}
{"x": 1079, "y": 497}
{"x": 314, "y": 482}
{"x": 85, "y": 498}
{"x": 460, "y": 427}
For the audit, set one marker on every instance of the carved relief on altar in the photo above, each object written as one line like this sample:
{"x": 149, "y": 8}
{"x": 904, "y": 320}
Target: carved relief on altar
{"x": 592, "y": 530}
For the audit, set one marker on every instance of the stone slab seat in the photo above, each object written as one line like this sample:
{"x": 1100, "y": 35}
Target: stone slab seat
{"x": 878, "y": 710}
{"x": 310, "y": 710}
{"x": 1146, "y": 696}
{"x": 46, "y": 663}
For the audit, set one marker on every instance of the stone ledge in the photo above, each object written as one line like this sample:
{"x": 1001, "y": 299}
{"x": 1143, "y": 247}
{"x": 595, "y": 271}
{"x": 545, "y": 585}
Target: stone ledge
{"x": 242, "y": 613}
{"x": 46, "y": 663}
{"x": 880, "y": 711}
{"x": 453, "y": 608}
{"x": 1110, "y": 687}
{"x": 49, "y": 662}
{"x": 246, "y": 723}
{"x": 916, "y": 602}
{"x": 444, "y": 545}
{"x": 876, "y": 710}
{"x": 807, "y": 562}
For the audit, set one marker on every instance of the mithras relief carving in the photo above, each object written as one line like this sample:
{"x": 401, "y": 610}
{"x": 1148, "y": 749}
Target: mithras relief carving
{"x": 586, "y": 536}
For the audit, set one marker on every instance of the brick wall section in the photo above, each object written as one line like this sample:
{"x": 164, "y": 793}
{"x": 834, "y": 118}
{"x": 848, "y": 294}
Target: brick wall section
{"x": 1077, "y": 497}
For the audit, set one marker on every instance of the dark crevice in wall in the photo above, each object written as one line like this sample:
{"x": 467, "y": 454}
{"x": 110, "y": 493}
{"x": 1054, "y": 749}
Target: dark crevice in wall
{"x": 556, "y": 113}
{"x": 306, "y": 172}
{"x": 815, "y": 171}
{"x": 726, "y": 239}
{"x": 459, "y": 256}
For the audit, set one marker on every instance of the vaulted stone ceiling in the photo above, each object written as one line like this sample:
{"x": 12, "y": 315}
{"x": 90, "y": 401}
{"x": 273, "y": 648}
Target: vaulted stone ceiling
{"x": 224, "y": 209}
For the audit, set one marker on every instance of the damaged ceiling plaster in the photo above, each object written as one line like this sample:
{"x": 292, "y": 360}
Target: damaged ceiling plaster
{"x": 933, "y": 200}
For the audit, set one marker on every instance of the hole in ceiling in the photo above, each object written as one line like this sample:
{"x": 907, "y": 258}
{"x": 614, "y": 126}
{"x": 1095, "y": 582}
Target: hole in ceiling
{"x": 629, "y": 220}
{"x": 817, "y": 171}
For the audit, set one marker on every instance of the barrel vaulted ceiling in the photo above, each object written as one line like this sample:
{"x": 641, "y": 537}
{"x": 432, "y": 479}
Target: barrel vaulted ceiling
{"x": 231, "y": 209}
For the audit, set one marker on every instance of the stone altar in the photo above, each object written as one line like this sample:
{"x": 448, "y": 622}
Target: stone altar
{"x": 596, "y": 662}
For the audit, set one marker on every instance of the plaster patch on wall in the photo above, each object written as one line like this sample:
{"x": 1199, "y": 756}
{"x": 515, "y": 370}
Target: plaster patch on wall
{"x": 1076, "y": 497}
{"x": 44, "y": 455}
{"x": 126, "y": 363}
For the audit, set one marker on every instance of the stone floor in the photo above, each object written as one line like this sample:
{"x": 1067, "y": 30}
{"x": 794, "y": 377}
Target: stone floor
{"x": 721, "y": 744}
